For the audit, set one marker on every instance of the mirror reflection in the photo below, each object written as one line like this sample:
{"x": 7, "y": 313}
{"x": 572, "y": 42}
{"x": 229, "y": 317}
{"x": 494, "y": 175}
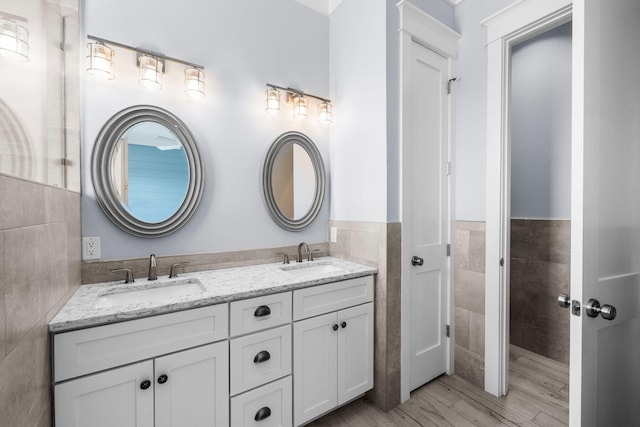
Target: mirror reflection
{"x": 149, "y": 172}
{"x": 293, "y": 181}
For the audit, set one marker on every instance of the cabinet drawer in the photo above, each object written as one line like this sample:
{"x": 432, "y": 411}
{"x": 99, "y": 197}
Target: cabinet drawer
{"x": 260, "y": 313}
{"x": 94, "y": 349}
{"x": 259, "y": 358}
{"x": 267, "y": 406}
{"x": 323, "y": 299}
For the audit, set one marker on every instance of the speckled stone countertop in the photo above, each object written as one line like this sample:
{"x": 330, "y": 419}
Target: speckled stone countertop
{"x": 218, "y": 286}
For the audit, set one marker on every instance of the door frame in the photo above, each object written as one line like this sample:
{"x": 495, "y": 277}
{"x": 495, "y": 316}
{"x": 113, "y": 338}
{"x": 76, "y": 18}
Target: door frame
{"x": 417, "y": 26}
{"x": 521, "y": 21}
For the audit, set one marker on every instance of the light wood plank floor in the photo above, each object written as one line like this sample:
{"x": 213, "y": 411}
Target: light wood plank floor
{"x": 538, "y": 396}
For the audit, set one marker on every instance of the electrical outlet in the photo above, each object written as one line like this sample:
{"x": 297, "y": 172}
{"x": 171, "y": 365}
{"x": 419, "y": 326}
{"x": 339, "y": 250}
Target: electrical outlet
{"x": 333, "y": 231}
{"x": 90, "y": 248}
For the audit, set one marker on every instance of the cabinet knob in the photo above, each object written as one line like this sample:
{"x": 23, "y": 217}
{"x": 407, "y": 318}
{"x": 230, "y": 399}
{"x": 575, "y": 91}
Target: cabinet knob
{"x": 145, "y": 384}
{"x": 262, "y": 413}
{"x": 335, "y": 327}
{"x": 261, "y": 311}
{"x": 162, "y": 379}
{"x": 263, "y": 356}
{"x": 343, "y": 324}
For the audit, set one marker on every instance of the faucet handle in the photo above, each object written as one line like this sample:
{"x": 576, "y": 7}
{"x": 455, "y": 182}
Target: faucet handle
{"x": 285, "y": 259}
{"x": 173, "y": 273}
{"x": 129, "y": 276}
{"x": 310, "y": 254}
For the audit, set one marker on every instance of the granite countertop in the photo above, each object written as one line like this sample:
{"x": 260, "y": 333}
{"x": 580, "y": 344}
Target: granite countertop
{"x": 218, "y": 286}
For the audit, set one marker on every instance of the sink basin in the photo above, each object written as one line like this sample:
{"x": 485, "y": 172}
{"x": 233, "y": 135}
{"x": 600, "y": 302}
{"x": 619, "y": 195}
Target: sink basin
{"x": 310, "y": 268}
{"x": 159, "y": 291}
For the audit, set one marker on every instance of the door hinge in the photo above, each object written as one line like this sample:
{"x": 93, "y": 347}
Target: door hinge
{"x": 447, "y": 168}
{"x": 447, "y": 331}
{"x": 448, "y": 249}
{"x": 449, "y": 84}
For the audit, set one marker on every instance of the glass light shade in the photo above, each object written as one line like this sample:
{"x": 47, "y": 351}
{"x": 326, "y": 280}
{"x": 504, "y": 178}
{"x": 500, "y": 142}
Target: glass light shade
{"x": 194, "y": 82}
{"x": 273, "y": 100}
{"x": 300, "y": 107}
{"x": 150, "y": 72}
{"x": 324, "y": 113}
{"x": 14, "y": 40}
{"x": 100, "y": 61}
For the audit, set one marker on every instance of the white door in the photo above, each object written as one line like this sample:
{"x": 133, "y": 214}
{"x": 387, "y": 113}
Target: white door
{"x": 315, "y": 370}
{"x": 355, "y": 352}
{"x": 605, "y": 354}
{"x": 120, "y": 397}
{"x": 426, "y": 211}
{"x": 192, "y": 387}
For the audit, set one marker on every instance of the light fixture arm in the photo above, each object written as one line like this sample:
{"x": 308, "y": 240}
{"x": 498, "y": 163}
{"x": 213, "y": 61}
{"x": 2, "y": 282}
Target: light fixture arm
{"x": 144, "y": 51}
{"x": 296, "y": 92}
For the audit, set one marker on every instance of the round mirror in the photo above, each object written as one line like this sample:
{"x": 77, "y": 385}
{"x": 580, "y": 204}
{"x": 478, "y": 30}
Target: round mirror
{"x": 146, "y": 171}
{"x": 293, "y": 181}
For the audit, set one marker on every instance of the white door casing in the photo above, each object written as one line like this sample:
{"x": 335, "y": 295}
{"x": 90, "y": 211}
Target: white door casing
{"x": 427, "y": 51}
{"x": 605, "y": 232}
{"x": 518, "y": 22}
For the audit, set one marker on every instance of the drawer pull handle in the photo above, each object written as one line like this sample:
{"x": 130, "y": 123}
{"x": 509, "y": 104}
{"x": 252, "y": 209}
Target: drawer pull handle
{"x": 263, "y": 356}
{"x": 261, "y": 311}
{"x": 262, "y": 413}
{"x": 343, "y": 324}
{"x": 162, "y": 379}
{"x": 145, "y": 384}
{"x": 335, "y": 327}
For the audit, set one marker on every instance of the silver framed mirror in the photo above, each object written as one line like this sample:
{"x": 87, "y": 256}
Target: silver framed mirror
{"x": 293, "y": 181}
{"x": 146, "y": 171}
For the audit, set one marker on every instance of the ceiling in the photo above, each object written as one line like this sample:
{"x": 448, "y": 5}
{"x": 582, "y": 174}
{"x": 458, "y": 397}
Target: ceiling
{"x": 326, "y": 7}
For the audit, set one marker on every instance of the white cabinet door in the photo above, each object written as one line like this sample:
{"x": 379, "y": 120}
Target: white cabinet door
{"x": 192, "y": 387}
{"x": 355, "y": 352}
{"x": 315, "y": 366}
{"x": 120, "y": 397}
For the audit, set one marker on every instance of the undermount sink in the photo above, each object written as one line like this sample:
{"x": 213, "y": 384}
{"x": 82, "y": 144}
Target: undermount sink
{"x": 158, "y": 291}
{"x": 311, "y": 268}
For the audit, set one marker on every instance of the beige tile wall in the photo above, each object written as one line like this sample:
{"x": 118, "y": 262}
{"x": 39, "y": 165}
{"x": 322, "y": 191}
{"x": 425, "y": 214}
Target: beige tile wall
{"x": 40, "y": 259}
{"x": 378, "y": 245}
{"x": 469, "y": 247}
{"x": 540, "y": 271}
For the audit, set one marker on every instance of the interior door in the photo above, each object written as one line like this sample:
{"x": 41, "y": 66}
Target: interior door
{"x": 425, "y": 153}
{"x": 604, "y": 369}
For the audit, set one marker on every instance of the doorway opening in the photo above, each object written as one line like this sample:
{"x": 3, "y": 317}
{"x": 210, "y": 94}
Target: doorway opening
{"x": 540, "y": 208}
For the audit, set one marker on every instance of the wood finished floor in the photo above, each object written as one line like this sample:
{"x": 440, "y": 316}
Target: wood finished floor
{"x": 538, "y": 396}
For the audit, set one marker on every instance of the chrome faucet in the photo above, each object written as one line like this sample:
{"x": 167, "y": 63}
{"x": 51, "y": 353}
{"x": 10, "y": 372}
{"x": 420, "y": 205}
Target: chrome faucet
{"x": 300, "y": 247}
{"x": 153, "y": 266}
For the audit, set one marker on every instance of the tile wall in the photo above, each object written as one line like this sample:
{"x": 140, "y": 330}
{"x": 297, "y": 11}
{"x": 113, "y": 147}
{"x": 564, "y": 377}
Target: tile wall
{"x": 469, "y": 248}
{"x": 40, "y": 268}
{"x": 378, "y": 245}
{"x": 540, "y": 271}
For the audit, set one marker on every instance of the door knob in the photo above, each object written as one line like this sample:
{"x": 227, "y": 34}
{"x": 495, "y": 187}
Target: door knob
{"x": 162, "y": 379}
{"x": 564, "y": 301}
{"x": 416, "y": 260}
{"x": 606, "y": 311}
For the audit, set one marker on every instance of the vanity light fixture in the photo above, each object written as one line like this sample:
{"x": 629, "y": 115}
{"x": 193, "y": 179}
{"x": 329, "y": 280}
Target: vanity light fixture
{"x": 14, "y": 38}
{"x": 300, "y": 103}
{"x": 100, "y": 60}
{"x": 151, "y": 66}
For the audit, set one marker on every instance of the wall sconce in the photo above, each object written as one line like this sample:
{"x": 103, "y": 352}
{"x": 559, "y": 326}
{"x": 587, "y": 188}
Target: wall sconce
{"x": 299, "y": 101}
{"x": 100, "y": 60}
{"x": 151, "y": 66}
{"x": 14, "y": 38}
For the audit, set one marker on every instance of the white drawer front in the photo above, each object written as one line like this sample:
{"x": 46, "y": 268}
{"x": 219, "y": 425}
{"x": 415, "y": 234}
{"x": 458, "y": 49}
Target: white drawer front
{"x": 271, "y": 404}
{"x": 323, "y": 299}
{"x": 259, "y": 358}
{"x": 94, "y": 349}
{"x": 259, "y": 313}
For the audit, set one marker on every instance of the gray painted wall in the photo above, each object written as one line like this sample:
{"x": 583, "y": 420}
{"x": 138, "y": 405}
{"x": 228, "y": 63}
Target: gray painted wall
{"x": 541, "y": 126}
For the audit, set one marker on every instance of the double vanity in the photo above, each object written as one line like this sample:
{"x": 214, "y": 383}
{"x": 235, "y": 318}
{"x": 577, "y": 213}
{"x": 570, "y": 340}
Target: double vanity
{"x": 263, "y": 345}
